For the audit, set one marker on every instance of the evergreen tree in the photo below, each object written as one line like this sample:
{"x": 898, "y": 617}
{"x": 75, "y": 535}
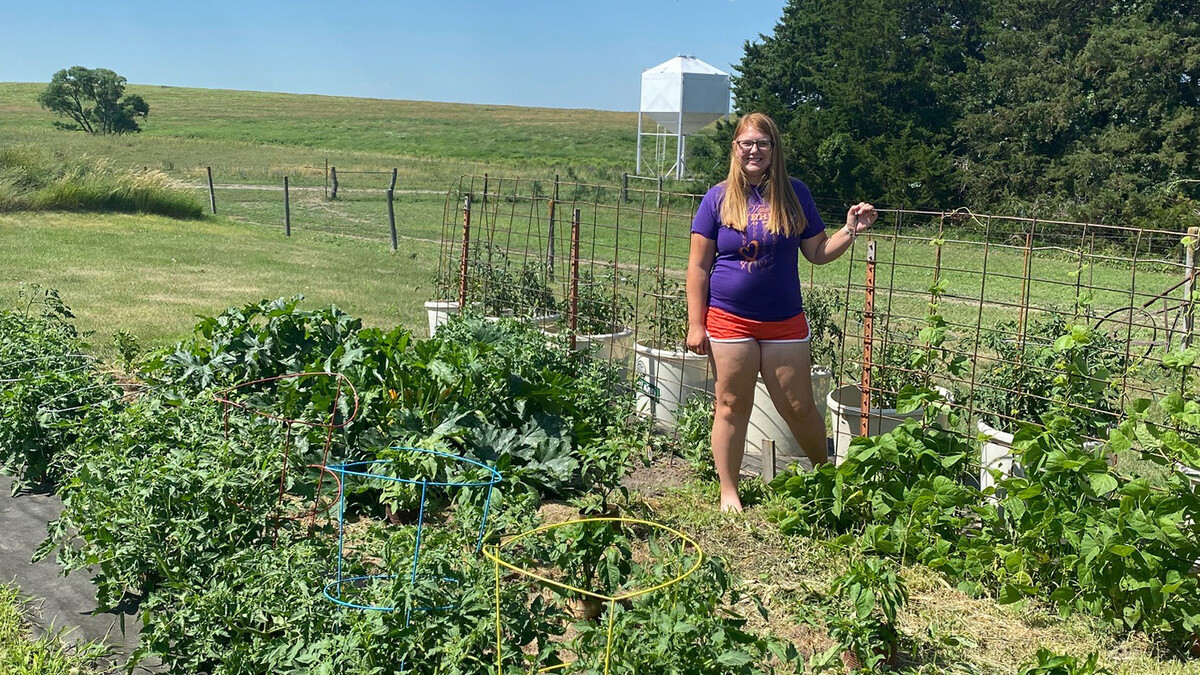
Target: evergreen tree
{"x": 1087, "y": 110}
{"x": 865, "y": 94}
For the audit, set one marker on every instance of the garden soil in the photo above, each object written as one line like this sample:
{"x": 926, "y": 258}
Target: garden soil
{"x": 60, "y": 603}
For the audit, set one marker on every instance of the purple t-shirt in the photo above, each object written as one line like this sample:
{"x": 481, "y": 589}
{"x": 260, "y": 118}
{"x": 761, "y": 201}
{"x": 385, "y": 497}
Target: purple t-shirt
{"x": 755, "y": 274}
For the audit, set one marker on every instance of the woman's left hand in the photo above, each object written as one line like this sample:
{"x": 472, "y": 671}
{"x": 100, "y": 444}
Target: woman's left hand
{"x": 860, "y": 217}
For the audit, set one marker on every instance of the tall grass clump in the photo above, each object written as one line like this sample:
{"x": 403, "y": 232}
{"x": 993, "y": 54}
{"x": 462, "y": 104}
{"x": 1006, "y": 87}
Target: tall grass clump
{"x": 35, "y": 180}
{"x": 23, "y": 654}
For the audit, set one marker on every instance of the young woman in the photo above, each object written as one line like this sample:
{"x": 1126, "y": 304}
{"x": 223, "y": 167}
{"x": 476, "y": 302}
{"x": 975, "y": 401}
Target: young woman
{"x": 743, "y": 290}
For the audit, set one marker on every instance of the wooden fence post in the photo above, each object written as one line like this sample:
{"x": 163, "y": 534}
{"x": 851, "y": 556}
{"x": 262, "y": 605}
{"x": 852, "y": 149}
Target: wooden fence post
{"x": 212, "y": 195}
{"x": 768, "y": 460}
{"x": 333, "y": 177}
{"x": 287, "y": 210}
{"x": 392, "y": 217}
{"x": 466, "y": 251}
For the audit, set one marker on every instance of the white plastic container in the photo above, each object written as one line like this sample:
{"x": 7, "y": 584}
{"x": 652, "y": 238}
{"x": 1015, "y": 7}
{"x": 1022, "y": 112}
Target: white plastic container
{"x": 668, "y": 379}
{"x": 996, "y": 454}
{"x": 845, "y": 404}
{"x": 766, "y": 422}
{"x": 439, "y": 312}
{"x": 1192, "y": 474}
{"x": 613, "y": 347}
{"x": 544, "y": 321}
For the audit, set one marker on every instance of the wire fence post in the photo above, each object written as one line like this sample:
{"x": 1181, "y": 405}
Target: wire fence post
{"x": 395, "y": 172}
{"x": 658, "y": 196}
{"x": 392, "y": 216}
{"x": 550, "y": 246}
{"x": 212, "y": 195}
{"x": 574, "y": 313}
{"x": 625, "y": 187}
{"x": 1189, "y": 286}
{"x": 287, "y": 210}
{"x": 333, "y": 177}
{"x": 485, "y": 189}
{"x": 550, "y": 234}
{"x": 868, "y": 338}
{"x": 466, "y": 250}
{"x": 326, "y": 178}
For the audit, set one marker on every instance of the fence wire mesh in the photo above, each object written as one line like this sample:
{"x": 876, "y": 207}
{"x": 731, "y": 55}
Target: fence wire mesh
{"x": 990, "y": 308}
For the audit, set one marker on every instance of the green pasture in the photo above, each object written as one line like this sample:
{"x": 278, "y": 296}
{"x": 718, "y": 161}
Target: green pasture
{"x": 258, "y": 137}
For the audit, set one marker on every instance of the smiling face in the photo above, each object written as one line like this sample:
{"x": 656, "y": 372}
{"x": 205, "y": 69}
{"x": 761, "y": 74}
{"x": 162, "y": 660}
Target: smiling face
{"x": 753, "y": 148}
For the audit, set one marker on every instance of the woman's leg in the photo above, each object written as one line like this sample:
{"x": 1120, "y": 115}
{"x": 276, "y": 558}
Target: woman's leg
{"x": 787, "y": 372}
{"x": 736, "y": 366}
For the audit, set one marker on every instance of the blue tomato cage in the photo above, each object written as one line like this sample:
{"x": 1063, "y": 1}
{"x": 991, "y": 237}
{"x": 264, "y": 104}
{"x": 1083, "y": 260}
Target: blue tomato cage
{"x": 334, "y": 590}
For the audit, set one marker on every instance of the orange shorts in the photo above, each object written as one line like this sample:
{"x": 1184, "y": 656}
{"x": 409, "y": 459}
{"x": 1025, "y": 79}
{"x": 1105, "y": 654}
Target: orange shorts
{"x": 725, "y": 326}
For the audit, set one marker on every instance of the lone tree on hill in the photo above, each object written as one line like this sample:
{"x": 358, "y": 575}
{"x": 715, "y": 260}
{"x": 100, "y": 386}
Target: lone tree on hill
{"x": 94, "y": 99}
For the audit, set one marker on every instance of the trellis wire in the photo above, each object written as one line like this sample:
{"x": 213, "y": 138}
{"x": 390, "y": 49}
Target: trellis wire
{"x": 996, "y": 269}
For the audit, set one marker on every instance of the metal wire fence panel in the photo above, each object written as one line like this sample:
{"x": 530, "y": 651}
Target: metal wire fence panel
{"x": 359, "y": 210}
{"x": 990, "y": 308}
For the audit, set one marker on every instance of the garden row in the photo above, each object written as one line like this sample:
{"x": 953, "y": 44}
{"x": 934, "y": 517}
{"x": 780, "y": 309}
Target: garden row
{"x": 180, "y": 502}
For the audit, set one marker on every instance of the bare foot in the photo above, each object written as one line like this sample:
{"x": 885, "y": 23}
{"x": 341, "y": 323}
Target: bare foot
{"x": 731, "y": 504}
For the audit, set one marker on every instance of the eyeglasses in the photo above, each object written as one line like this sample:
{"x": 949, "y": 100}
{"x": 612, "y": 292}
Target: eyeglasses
{"x": 764, "y": 144}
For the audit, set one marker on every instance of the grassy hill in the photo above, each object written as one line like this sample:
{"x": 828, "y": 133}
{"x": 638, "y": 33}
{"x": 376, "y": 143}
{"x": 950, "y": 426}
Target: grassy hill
{"x": 258, "y": 136}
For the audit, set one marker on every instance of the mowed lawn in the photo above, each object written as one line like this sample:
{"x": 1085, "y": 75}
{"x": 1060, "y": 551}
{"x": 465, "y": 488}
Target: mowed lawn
{"x": 151, "y": 276}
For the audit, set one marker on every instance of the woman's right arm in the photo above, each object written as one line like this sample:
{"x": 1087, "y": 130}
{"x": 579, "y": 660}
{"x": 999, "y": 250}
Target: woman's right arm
{"x": 700, "y": 261}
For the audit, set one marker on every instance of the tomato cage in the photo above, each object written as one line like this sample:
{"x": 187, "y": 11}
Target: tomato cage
{"x": 497, "y": 553}
{"x": 7, "y": 370}
{"x": 440, "y": 472}
{"x": 100, "y": 388}
{"x": 329, "y": 424}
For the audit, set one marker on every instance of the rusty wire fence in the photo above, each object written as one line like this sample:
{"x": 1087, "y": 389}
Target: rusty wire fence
{"x": 982, "y": 306}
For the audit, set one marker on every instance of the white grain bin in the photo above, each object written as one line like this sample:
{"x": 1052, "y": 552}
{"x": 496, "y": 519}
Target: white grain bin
{"x": 681, "y": 96}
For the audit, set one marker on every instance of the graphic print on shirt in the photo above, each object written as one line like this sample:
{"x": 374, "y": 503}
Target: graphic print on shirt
{"x": 751, "y": 250}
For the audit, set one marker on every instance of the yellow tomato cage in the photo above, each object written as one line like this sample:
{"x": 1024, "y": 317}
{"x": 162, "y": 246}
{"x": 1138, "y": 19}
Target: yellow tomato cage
{"x": 493, "y": 554}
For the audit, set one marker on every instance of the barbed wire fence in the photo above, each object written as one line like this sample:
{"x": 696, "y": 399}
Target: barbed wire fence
{"x": 365, "y": 204}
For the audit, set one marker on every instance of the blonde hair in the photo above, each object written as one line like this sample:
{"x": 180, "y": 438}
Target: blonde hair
{"x": 786, "y": 218}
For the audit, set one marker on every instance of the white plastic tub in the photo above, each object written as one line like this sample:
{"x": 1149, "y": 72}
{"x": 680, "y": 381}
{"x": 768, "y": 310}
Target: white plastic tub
{"x": 767, "y": 423}
{"x": 439, "y": 312}
{"x": 845, "y": 404}
{"x": 668, "y": 379}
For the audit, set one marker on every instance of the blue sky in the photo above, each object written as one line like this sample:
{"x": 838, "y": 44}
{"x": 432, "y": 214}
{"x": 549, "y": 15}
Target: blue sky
{"x": 537, "y": 53}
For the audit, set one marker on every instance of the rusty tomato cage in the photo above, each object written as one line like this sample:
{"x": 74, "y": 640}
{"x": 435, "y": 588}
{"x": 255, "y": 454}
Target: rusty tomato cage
{"x": 329, "y": 423}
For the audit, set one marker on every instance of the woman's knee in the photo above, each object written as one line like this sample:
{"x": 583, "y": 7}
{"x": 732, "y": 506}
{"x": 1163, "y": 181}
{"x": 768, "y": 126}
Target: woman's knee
{"x": 797, "y": 409}
{"x": 733, "y": 406}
